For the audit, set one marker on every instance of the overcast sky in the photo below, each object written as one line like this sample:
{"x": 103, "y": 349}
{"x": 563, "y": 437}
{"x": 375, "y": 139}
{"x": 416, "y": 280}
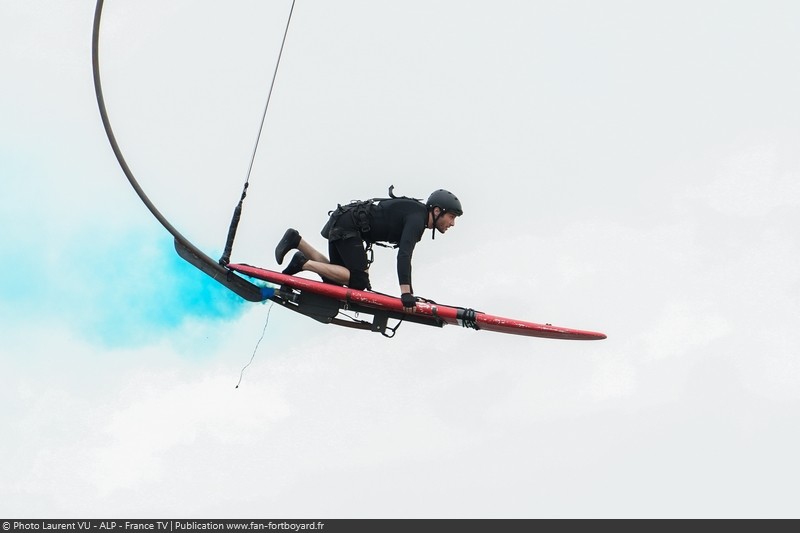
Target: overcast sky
{"x": 625, "y": 167}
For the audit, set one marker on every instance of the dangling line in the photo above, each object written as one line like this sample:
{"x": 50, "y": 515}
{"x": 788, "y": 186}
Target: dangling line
{"x": 241, "y": 374}
{"x": 237, "y": 212}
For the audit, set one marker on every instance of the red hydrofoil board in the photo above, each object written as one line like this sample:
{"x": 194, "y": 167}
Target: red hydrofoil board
{"x": 327, "y": 303}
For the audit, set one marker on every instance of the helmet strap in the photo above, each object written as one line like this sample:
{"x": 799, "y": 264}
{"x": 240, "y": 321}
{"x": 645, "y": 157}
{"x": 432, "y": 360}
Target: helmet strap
{"x": 435, "y": 218}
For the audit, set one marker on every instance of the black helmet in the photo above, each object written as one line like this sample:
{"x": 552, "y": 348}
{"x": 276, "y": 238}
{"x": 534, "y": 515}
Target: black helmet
{"x": 446, "y": 201}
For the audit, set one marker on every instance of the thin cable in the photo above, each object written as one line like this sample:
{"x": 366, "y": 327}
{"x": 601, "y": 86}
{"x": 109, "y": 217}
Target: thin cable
{"x": 237, "y": 212}
{"x": 241, "y": 374}
{"x": 269, "y": 95}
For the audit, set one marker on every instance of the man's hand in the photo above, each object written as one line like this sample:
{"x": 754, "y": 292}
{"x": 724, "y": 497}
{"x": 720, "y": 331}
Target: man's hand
{"x": 409, "y": 302}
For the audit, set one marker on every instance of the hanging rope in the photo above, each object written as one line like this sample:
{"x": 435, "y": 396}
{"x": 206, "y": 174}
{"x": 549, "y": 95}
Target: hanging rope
{"x": 237, "y": 212}
{"x": 241, "y": 374}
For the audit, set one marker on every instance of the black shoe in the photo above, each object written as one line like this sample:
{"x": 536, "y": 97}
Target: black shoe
{"x": 290, "y": 241}
{"x": 296, "y": 264}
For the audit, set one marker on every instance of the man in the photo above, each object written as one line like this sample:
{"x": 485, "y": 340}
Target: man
{"x": 397, "y": 220}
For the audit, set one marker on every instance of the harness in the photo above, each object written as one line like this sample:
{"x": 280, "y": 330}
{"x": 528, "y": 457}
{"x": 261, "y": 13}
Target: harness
{"x": 359, "y": 212}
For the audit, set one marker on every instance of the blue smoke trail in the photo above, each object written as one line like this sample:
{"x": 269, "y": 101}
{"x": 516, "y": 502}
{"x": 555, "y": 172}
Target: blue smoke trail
{"x": 110, "y": 283}
{"x": 116, "y": 290}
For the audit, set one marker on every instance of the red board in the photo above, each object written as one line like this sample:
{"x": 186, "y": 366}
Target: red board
{"x": 448, "y": 314}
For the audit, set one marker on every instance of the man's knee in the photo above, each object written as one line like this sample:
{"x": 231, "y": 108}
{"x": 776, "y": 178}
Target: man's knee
{"x": 359, "y": 280}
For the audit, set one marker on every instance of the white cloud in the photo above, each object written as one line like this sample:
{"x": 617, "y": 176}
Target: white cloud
{"x": 755, "y": 181}
{"x": 157, "y": 414}
{"x": 685, "y": 328}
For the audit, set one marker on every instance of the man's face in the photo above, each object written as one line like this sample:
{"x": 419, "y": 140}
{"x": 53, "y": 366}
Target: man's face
{"x": 445, "y": 222}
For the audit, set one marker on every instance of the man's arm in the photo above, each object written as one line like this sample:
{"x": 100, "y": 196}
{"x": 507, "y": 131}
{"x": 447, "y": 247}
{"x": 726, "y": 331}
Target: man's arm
{"x": 412, "y": 231}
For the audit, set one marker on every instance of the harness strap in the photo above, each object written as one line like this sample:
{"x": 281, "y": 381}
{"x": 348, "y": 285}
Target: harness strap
{"x": 371, "y": 253}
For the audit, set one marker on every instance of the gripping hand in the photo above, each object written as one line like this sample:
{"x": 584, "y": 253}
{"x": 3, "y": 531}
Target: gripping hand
{"x": 409, "y": 301}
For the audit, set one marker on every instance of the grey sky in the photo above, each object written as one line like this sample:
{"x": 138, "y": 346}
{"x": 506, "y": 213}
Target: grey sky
{"x": 627, "y": 167}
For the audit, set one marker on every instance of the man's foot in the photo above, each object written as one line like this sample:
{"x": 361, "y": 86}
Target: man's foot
{"x": 290, "y": 241}
{"x": 296, "y": 264}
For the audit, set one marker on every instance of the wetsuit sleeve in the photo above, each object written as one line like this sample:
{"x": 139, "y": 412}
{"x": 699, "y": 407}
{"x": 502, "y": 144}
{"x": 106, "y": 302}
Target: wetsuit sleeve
{"x": 412, "y": 233}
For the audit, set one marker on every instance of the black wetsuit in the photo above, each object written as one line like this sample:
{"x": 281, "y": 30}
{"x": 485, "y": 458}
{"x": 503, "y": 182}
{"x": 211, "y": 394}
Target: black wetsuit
{"x": 399, "y": 221}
